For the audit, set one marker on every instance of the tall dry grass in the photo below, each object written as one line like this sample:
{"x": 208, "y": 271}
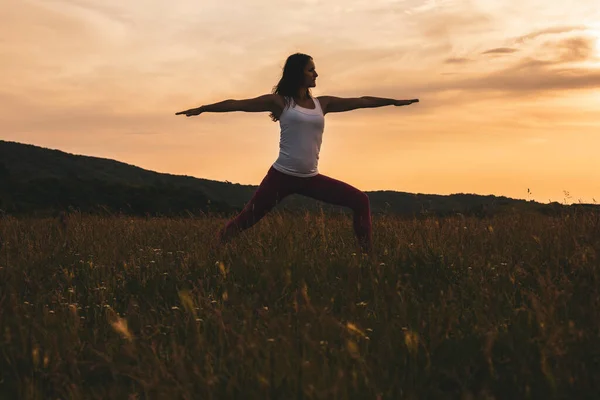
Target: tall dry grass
{"x": 114, "y": 307}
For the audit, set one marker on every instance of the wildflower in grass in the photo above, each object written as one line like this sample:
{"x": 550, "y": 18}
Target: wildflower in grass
{"x": 222, "y": 268}
{"x": 35, "y": 356}
{"x": 73, "y": 309}
{"x": 411, "y": 340}
{"x": 186, "y": 300}
{"x": 352, "y": 328}
{"x": 120, "y": 326}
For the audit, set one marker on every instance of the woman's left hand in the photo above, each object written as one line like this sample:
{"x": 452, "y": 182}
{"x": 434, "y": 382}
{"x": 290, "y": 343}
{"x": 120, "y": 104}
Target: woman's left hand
{"x": 406, "y": 102}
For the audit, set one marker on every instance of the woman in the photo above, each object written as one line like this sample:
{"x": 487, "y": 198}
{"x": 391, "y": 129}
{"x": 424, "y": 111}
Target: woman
{"x": 301, "y": 118}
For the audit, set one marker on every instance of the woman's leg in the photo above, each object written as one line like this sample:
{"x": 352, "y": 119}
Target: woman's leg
{"x": 273, "y": 188}
{"x": 336, "y": 192}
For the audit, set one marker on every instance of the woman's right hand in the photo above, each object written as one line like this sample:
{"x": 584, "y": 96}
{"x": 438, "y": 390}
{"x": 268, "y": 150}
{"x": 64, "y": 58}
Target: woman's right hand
{"x": 190, "y": 112}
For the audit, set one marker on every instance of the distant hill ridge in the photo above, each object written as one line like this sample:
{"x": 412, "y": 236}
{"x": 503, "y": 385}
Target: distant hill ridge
{"x": 36, "y": 180}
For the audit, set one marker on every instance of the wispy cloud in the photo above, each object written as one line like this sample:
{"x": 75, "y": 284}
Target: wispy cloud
{"x": 501, "y": 50}
{"x": 457, "y": 60}
{"x": 549, "y": 31}
{"x": 531, "y": 79}
{"x": 572, "y": 49}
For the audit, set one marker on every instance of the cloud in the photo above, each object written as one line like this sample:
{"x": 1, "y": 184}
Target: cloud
{"x": 535, "y": 75}
{"x": 534, "y": 79}
{"x": 524, "y": 77}
{"x": 501, "y": 50}
{"x": 549, "y": 69}
{"x": 573, "y": 49}
{"x": 549, "y": 31}
{"x": 457, "y": 60}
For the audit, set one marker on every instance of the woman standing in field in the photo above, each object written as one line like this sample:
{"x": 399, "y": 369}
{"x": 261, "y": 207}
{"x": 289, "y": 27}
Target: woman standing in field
{"x": 301, "y": 118}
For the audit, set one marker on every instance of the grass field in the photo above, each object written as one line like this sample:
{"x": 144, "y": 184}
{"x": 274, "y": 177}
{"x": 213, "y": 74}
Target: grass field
{"x": 113, "y": 307}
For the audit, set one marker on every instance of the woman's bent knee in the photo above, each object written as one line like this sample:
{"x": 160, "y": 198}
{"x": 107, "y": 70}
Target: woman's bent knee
{"x": 362, "y": 201}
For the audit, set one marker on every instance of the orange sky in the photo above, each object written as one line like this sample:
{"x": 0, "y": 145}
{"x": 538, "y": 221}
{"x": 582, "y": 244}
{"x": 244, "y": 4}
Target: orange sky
{"x": 508, "y": 89}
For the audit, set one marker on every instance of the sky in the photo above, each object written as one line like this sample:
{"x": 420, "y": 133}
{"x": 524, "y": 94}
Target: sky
{"x": 509, "y": 100}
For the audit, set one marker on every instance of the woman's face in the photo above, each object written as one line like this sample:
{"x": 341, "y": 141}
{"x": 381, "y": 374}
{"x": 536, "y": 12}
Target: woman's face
{"x": 310, "y": 74}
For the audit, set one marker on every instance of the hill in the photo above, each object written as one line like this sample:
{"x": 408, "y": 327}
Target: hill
{"x": 36, "y": 180}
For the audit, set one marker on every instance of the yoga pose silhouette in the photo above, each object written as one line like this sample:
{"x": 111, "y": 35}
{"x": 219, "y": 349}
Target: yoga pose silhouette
{"x": 301, "y": 118}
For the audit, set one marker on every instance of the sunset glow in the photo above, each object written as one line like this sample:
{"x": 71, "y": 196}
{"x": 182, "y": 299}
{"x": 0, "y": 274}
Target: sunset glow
{"x": 508, "y": 90}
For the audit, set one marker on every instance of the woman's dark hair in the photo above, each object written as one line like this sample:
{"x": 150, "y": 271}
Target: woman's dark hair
{"x": 291, "y": 79}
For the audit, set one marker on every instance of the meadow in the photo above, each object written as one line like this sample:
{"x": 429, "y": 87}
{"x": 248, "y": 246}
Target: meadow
{"x": 505, "y": 307}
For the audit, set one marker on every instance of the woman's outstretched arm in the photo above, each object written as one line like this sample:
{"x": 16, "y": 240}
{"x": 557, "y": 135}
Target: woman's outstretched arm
{"x": 339, "y": 104}
{"x": 267, "y": 102}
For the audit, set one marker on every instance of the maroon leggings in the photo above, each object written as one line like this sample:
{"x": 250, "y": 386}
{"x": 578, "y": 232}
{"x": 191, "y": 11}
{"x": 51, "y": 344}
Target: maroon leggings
{"x": 277, "y": 185}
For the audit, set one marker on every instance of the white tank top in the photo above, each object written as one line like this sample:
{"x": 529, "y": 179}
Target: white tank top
{"x": 300, "y": 141}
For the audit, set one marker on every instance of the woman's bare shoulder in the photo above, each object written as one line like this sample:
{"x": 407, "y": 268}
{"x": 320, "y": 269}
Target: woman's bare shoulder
{"x": 324, "y": 102}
